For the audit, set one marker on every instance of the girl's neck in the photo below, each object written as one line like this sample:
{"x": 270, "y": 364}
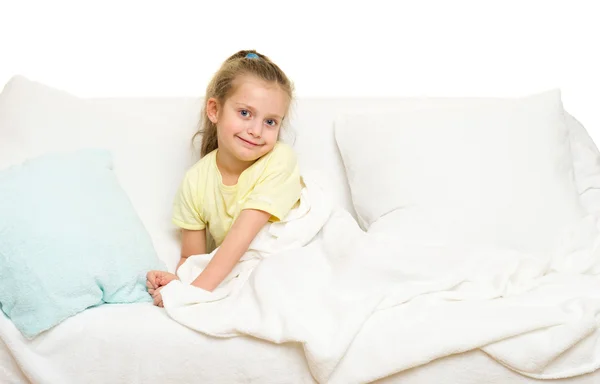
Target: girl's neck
{"x": 230, "y": 167}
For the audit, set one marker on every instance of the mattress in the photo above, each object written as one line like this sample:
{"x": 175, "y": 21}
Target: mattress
{"x": 139, "y": 343}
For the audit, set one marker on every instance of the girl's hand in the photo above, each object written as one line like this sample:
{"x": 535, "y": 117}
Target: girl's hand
{"x": 155, "y": 280}
{"x": 151, "y": 281}
{"x": 157, "y": 297}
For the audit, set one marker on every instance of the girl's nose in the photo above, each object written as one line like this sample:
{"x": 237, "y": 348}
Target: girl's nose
{"x": 255, "y": 128}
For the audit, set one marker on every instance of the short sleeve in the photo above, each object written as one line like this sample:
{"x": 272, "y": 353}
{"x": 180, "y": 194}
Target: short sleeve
{"x": 278, "y": 188}
{"x": 187, "y": 207}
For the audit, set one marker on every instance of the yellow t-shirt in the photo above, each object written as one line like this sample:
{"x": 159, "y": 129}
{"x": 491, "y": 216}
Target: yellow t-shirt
{"x": 272, "y": 184}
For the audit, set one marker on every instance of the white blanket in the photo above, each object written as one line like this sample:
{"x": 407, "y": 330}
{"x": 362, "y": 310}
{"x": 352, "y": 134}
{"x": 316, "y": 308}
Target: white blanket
{"x": 365, "y": 307}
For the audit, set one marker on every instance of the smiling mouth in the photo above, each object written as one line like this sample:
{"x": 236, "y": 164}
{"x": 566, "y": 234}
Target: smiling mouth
{"x": 248, "y": 142}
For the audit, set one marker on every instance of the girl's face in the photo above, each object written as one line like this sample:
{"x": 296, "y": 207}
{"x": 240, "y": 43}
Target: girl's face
{"x": 249, "y": 121}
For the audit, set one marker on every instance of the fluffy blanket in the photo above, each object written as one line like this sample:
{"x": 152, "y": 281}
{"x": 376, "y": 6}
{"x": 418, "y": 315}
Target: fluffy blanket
{"x": 366, "y": 306}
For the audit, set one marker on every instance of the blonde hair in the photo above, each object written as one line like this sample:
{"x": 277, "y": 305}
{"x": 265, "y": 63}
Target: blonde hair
{"x": 220, "y": 87}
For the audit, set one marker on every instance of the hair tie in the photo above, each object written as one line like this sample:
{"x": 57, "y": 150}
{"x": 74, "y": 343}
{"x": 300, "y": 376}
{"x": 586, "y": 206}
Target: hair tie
{"x": 251, "y": 55}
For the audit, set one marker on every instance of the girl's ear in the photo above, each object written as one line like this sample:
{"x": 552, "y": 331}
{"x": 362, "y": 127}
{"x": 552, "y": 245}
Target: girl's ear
{"x": 212, "y": 110}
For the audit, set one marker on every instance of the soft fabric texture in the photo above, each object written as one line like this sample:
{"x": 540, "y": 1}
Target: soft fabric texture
{"x": 490, "y": 172}
{"x": 271, "y": 184}
{"x": 69, "y": 240}
{"x": 139, "y": 343}
{"x": 59, "y": 358}
{"x": 366, "y": 306}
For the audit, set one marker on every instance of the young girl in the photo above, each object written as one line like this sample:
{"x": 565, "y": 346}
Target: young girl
{"x": 245, "y": 176}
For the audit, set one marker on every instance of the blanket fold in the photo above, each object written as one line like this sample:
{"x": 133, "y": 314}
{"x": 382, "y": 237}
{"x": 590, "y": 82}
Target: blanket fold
{"x": 365, "y": 307}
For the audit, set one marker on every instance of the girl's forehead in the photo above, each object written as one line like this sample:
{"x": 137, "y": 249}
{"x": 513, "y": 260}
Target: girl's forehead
{"x": 268, "y": 97}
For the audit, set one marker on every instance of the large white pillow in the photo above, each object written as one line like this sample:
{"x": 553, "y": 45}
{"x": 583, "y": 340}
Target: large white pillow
{"x": 463, "y": 171}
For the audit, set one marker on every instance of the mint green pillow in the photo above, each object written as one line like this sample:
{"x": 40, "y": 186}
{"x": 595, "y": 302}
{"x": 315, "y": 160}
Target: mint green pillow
{"x": 70, "y": 239}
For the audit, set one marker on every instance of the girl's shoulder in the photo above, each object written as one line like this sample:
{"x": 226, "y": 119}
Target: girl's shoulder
{"x": 282, "y": 153}
{"x": 202, "y": 170}
{"x": 281, "y": 160}
{"x": 204, "y": 164}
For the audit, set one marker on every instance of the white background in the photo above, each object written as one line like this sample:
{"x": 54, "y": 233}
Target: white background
{"x": 328, "y": 48}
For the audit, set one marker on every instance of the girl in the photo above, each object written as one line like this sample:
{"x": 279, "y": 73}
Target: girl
{"x": 245, "y": 176}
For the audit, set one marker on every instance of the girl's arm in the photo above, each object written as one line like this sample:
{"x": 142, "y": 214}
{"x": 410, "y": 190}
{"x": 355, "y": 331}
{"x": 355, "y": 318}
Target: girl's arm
{"x": 192, "y": 243}
{"x": 236, "y": 243}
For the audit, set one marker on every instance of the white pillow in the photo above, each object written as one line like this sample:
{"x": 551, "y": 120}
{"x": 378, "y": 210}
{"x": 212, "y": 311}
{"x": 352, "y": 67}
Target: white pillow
{"x": 463, "y": 171}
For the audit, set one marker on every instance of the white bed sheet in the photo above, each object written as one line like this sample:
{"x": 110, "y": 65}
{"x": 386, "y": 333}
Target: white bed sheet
{"x": 139, "y": 343}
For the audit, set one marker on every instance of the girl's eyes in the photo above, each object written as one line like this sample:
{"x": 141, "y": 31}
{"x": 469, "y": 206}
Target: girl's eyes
{"x": 246, "y": 113}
